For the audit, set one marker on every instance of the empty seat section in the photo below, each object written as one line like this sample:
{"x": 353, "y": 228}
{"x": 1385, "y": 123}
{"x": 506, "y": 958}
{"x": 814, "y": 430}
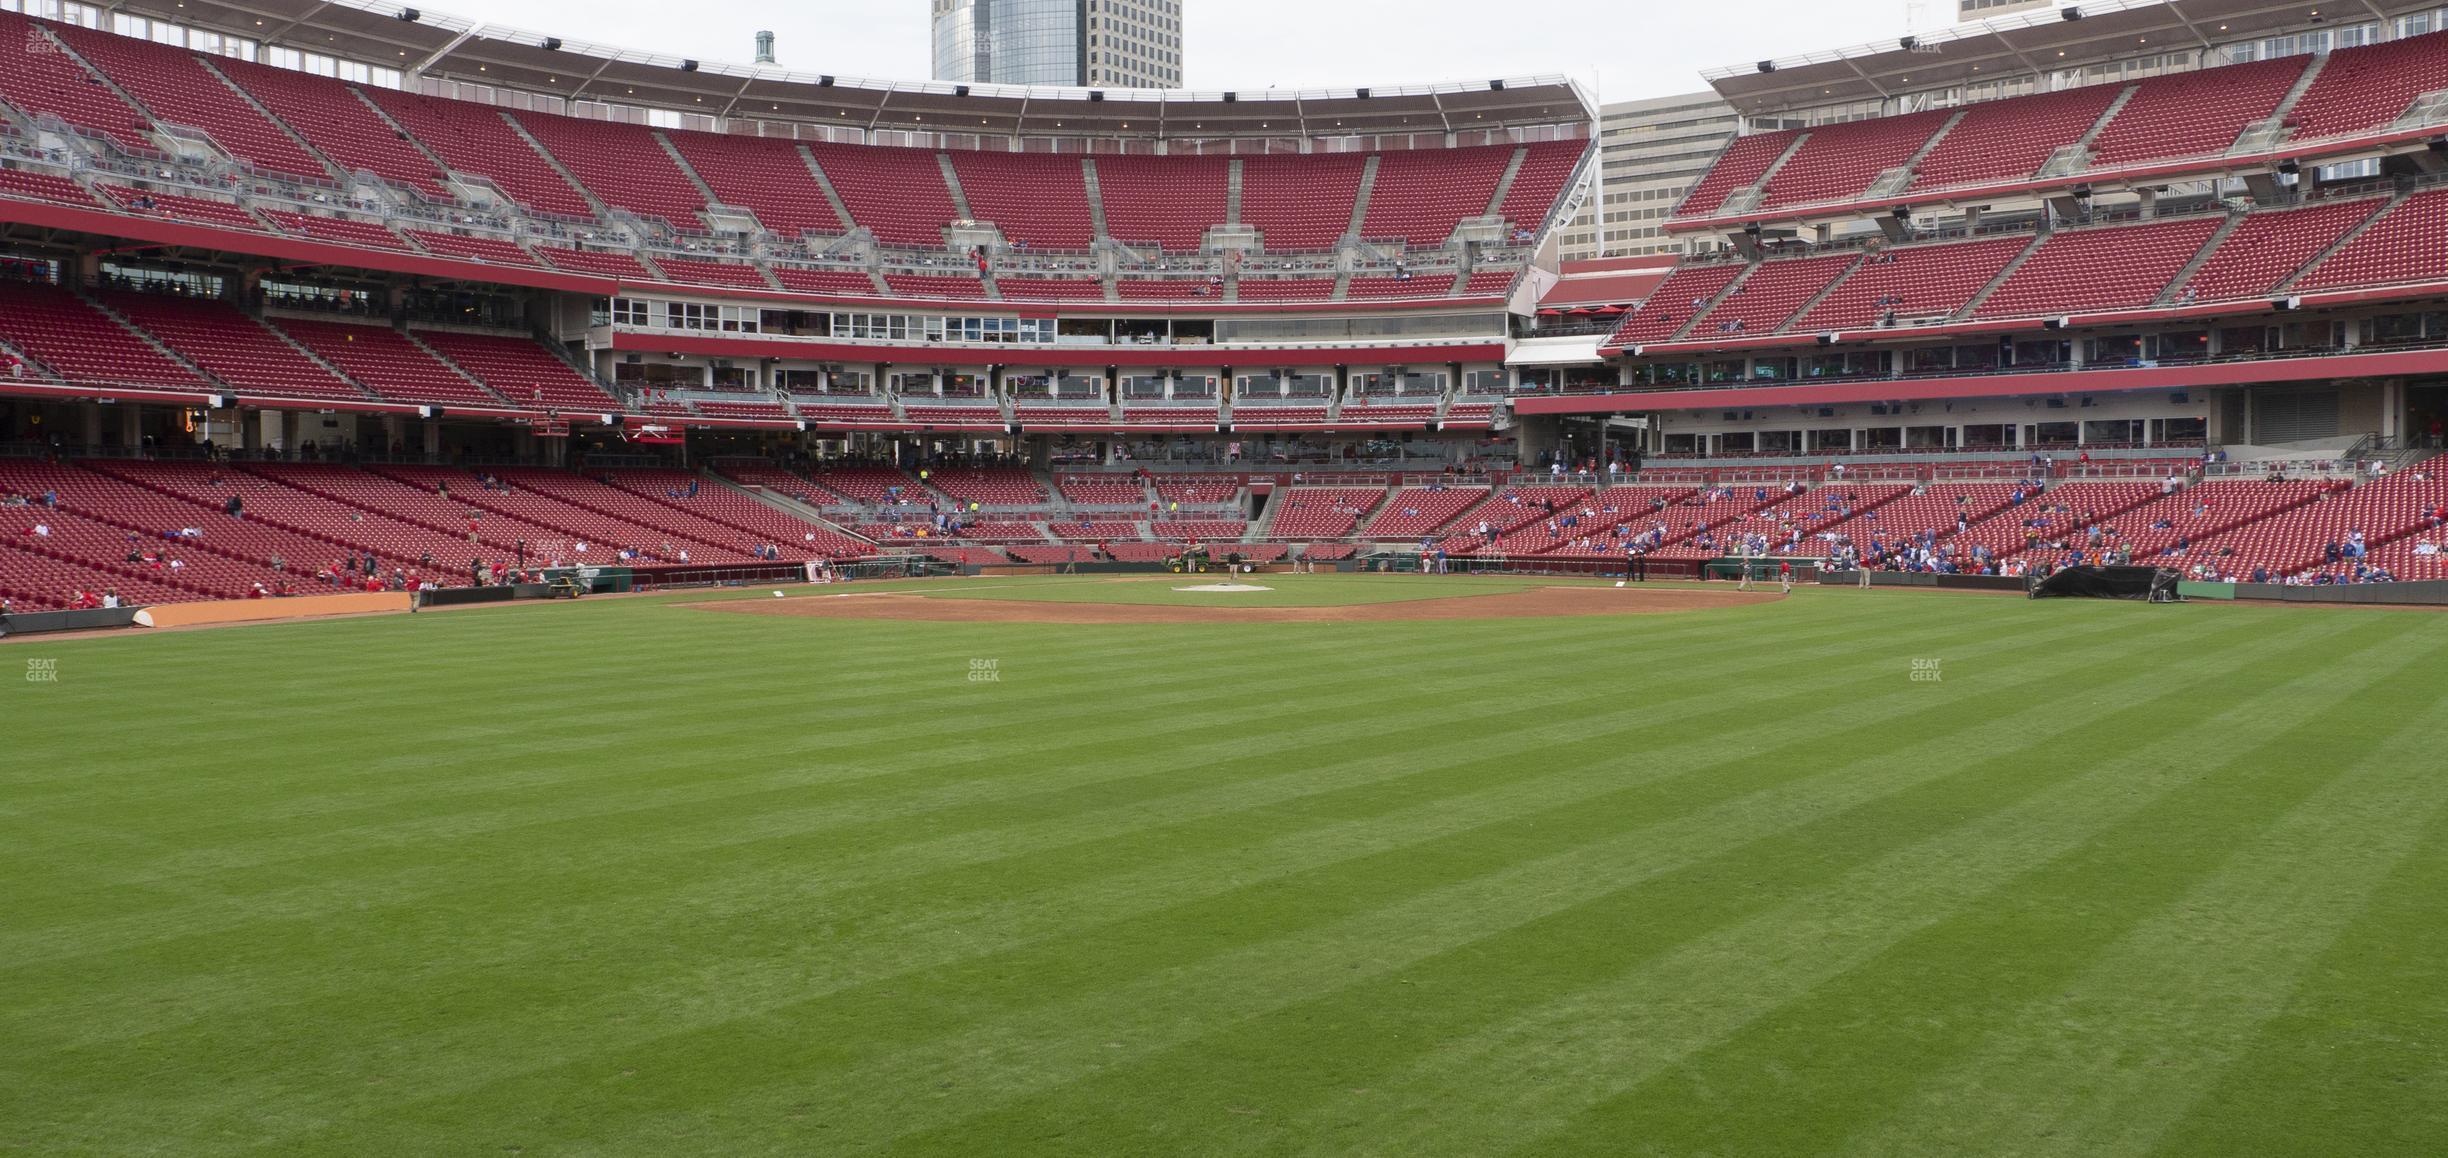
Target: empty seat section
{"x": 599, "y": 262}
{"x": 1772, "y": 294}
{"x": 1060, "y": 416}
{"x": 989, "y": 486}
{"x": 1432, "y": 285}
{"x": 44, "y": 187}
{"x": 1180, "y": 289}
{"x": 2100, "y": 269}
{"x": 1839, "y": 161}
{"x": 518, "y": 369}
{"x": 381, "y": 525}
{"x": 342, "y": 230}
{"x": 899, "y": 194}
{"x": 2401, "y": 248}
{"x": 1291, "y": 289}
{"x": 81, "y": 343}
{"x": 1539, "y": 183}
{"x": 1199, "y": 529}
{"x": 2007, "y": 139}
{"x": 1300, "y": 202}
{"x": 1051, "y": 289}
{"x": 1416, "y": 511}
{"x": 688, "y": 271}
{"x": 231, "y": 346}
{"x": 175, "y": 207}
{"x": 39, "y": 82}
{"x": 1103, "y": 490}
{"x": 2297, "y": 539}
{"x": 1744, "y": 162}
{"x": 495, "y": 250}
{"x": 1253, "y": 417}
{"x": 475, "y": 140}
{"x": 1037, "y": 199}
{"x": 1672, "y": 305}
{"x": 178, "y": 90}
{"x": 1170, "y": 201}
{"x": 2269, "y": 247}
{"x": 573, "y": 504}
{"x": 927, "y": 285}
{"x": 2366, "y": 88}
{"x": 1490, "y": 281}
{"x": 1918, "y": 284}
{"x": 869, "y": 485}
{"x": 764, "y": 175}
{"x": 623, "y": 165}
{"x": 331, "y": 117}
{"x": 1422, "y": 195}
{"x": 834, "y": 415}
{"x": 387, "y": 362}
{"x": 1198, "y": 490}
{"x": 798, "y": 279}
{"x": 664, "y": 498}
{"x": 1321, "y": 512}
{"x": 2194, "y": 114}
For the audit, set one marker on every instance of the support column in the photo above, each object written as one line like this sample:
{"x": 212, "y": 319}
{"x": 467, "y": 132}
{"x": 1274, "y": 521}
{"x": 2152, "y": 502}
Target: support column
{"x": 89, "y": 415}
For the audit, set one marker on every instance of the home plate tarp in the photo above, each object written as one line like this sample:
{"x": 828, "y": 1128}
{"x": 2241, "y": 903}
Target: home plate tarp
{"x": 2156, "y": 584}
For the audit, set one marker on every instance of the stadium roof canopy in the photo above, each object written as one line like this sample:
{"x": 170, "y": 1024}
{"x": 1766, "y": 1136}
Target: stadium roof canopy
{"x": 437, "y": 44}
{"x": 2031, "y": 43}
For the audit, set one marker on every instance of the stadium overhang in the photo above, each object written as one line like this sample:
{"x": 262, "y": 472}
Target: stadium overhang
{"x": 2028, "y": 44}
{"x": 441, "y": 46}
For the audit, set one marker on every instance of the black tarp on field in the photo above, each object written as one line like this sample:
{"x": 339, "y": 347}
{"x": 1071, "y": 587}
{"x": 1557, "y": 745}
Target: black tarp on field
{"x": 2156, "y": 584}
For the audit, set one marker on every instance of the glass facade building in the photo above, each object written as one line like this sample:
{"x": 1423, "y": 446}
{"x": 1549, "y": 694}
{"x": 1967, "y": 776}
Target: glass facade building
{"x": 1061, "y": 43}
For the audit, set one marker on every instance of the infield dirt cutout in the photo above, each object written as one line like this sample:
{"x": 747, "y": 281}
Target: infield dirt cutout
{"x": 1537, "y": 603}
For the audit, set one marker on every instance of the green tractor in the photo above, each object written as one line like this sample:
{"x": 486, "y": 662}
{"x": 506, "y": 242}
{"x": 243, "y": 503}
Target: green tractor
{"x": 1192, "y": 561}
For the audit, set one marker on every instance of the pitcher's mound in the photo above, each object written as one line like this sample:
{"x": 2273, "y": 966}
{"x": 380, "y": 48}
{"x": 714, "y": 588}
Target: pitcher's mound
{"x": 1225, "y": 588}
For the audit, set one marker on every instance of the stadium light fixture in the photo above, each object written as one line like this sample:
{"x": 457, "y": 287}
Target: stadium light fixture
{"x": 552, "y": 44}
{"x": 408, "y": 15}
{"x": 1767, "y": 66}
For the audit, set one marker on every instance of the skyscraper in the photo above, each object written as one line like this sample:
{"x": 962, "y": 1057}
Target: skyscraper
{"x": 1080, "y": 43}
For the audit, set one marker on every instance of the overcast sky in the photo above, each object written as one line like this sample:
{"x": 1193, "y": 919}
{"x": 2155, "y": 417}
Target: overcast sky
{"x": 1627, "y": 48}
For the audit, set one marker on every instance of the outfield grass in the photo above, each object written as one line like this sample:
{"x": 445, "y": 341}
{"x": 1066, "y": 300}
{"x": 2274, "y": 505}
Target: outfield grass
{"x": 624, "y": 878}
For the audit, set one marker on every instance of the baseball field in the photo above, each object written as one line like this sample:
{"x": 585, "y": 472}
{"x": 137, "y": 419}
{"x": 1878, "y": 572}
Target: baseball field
{"x": 1355, "y": 865}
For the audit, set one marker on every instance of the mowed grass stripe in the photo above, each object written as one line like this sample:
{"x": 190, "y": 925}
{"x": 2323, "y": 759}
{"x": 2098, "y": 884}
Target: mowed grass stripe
{"x": 328, "y": 872}
{"x": 2354, "y": 1062}
{"x": 2106, "y": 1066}
{"x": 1837, "y": 999}
{"x": 2035, "y": 647}
{"x": 673, "y": 876}
{"x": 476, "y": 990}
{"x": 1227, "y": 974}
{"x": 740, "y": 987}
{"x": 1206, "y": 1079}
